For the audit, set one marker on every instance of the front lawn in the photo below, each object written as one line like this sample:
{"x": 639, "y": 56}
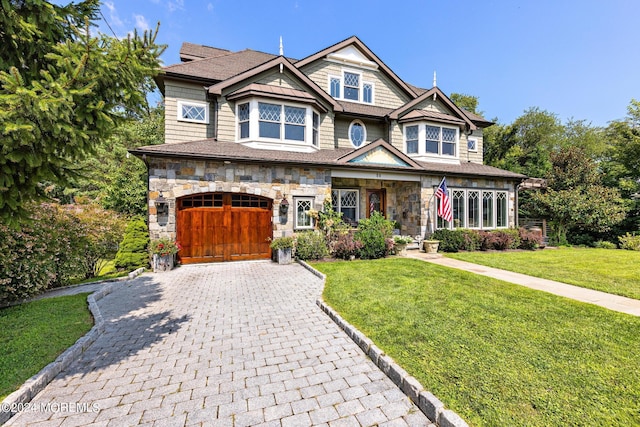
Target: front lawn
{"x": 608, "y": 270}
{"x": 498, "y": 354}
{"x": 33, "y": 334}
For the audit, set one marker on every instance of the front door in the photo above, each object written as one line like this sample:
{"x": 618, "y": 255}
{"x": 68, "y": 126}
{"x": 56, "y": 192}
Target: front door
{"x": 376, "y": 201}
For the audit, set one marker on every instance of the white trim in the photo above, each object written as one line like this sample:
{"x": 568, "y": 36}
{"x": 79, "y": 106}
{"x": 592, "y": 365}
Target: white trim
{"x": 339, "y": 207}
{"x": 422, "y": 142}
{"x": 255, "y": 141}
{"x": 464, "y": 223}
{"x": 361, "y": 83}
{"x": 364, "y": 131}
{"x": 475, "y": 145}
{"x": 383, "y": 176}
{"x": 297, "y": 199}
{"x": 182, "y": 102}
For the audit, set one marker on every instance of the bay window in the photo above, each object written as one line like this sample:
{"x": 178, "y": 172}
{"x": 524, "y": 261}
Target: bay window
{"x": 265, "y": 121}
{"x": 431, "y": 140}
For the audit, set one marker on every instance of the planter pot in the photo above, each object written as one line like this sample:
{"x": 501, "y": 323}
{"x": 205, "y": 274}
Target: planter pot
{"x": 283, "y": 256}
{"x": 401, "y": 249}
{"x": 431, "y": 246}
{"x": 162, "y": 262}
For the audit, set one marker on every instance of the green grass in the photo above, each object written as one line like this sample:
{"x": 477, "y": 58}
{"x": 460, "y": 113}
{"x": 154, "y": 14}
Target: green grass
{"x": 608, "y": 270}
{"x": 33, "y": 334}
{"x": 498, "y": 354}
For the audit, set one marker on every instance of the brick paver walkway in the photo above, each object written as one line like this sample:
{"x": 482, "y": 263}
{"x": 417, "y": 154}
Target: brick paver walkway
{"x": 233, "y": 344}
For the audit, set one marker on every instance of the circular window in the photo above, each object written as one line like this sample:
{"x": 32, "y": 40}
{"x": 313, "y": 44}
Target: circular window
{"x": 357, "y": 133}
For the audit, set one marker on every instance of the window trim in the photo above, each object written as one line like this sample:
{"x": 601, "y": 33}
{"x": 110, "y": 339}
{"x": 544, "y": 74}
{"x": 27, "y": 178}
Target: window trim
{"x": 441, "y": 224}
{"x": 364, "y": 131}
{"x": 254, "y": 123}
{"x": 297, "y": 200}
{"x": 183, "y": 102}
{"x": 422, "y": 140}
{"x": 361, "y": 84}
{"x": 475, "y": 145}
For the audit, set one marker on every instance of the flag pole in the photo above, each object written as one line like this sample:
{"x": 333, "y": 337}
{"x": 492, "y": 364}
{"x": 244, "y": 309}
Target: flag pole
{"x": 431, "y": 225}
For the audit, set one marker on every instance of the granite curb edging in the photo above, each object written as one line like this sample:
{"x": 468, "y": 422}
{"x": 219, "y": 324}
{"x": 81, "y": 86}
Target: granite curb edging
{"x": 429, "y": 404}
{"x": 35, "y": 384}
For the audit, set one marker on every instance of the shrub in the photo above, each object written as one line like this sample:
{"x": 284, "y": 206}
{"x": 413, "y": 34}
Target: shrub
{"x": 311, "y": 245}
{"x": 133, "y": 253}
{"x": 450, "y": 240}
{"x": 497, "y": 240}
{"x": 472, "y": 241}
{"x": 345, "y": 246}
{"x": 630, "y": 242}
{"x": 375, "y": 234}
{"x": 286, "y": 242}
{"x": 529, "y": 240}
{"x": 164, "y": 247}
{"x": 603, "y": 244}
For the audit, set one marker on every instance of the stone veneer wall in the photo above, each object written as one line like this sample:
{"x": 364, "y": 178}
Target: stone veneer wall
{"x": 402, "y": 196}
{"x": 183, "y": 177}
{"x": 429, "y": 185}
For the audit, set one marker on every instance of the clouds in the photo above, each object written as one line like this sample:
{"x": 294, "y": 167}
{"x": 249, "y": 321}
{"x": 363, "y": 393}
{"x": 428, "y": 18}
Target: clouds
{"x": 122, "y": 27}
{"x": 141, "y": 22}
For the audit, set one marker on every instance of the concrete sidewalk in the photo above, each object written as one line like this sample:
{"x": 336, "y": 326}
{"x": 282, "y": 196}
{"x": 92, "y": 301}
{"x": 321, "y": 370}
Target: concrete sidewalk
{"x": 603, "y": 299}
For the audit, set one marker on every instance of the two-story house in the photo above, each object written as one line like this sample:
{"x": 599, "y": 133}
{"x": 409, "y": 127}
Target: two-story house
{"x": 255, "y": 140}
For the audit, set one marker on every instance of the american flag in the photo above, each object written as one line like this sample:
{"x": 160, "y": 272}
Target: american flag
{"x": 444, "y": 208}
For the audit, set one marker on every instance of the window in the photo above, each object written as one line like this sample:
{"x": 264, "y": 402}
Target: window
{"x": 350, "y": 86}
{"x": 303, "y": 206}
{"x": 294, "y": 123}
{"x": 484, "y": 209}
{"x": 260, "y": 122}
{"x": 357, "y": 133}
{"x": 193, "y": 111}
{"x": 367, "y": 93}
{"x": 269, "y": 120}
{"x": 473, "y": 198}
{"x": 487, "y": 209}
{"x": 243, "y": 120}
{"x": 334, "y": 83}
{"x": 472, "y": 145}
{"x": 431, "y": 140}
{"x": 316, "y": 126}
{"x": 346, "y": 201}
{"x": 412, "y": 139}
{"x": 501, "y": 209}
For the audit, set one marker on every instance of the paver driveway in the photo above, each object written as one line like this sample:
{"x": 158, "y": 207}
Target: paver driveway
{"x": 230, "y": 344}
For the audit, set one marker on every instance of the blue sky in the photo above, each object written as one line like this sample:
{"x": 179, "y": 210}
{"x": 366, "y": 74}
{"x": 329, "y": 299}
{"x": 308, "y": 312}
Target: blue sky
{"x": 577, "y": 59}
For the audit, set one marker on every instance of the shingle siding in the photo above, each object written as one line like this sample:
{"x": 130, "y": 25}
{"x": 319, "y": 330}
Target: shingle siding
{"x": 180, "y": 131}
{"x": 385, "y": 92}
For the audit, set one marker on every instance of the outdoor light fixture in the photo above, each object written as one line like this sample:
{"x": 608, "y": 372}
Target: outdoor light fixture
{"x": 284, "y": 206}
{"x": 162, "y": 207}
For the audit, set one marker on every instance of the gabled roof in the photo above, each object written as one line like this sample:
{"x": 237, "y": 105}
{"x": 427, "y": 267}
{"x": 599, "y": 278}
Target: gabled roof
{"x": 435, "y": 115}
{"x": 391, "y": 154}
{"x": 217, "y": 88}
{"x": 396, "y": 114}
{"x": 355, "y": 41}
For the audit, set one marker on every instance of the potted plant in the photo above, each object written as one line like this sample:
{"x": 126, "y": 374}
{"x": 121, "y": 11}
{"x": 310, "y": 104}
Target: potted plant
{"x": 401, "y": 243}
{"x": 282, "y": 248}
{"x": 431, "y": 246}
{"x": 163, "y": 253}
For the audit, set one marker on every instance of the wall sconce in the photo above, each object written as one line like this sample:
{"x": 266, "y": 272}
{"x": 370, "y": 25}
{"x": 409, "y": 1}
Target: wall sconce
{"x": 162, "y": 206}
{"x": 284, "y": 206}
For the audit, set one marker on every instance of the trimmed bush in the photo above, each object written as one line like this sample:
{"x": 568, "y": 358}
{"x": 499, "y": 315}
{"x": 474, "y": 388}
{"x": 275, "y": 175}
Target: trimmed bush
{"x": 345, "y": 246}
{"x": 133, "y": 252}
{"x": 472, "y": 241}
{"x": 311, "y": 245}
{"x": 529, "y": 240}
{"x": 630, "y": 242}
{"x": 375, "y": 234}
{"x": 603, "y": 244}
{"x": 450, "y": 240}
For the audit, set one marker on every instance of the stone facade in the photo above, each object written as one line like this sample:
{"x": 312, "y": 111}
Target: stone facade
{"x": 177, "y": 178}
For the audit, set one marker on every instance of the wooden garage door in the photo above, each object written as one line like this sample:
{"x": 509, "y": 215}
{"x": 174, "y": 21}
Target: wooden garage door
{"x": 224, "y": 227}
